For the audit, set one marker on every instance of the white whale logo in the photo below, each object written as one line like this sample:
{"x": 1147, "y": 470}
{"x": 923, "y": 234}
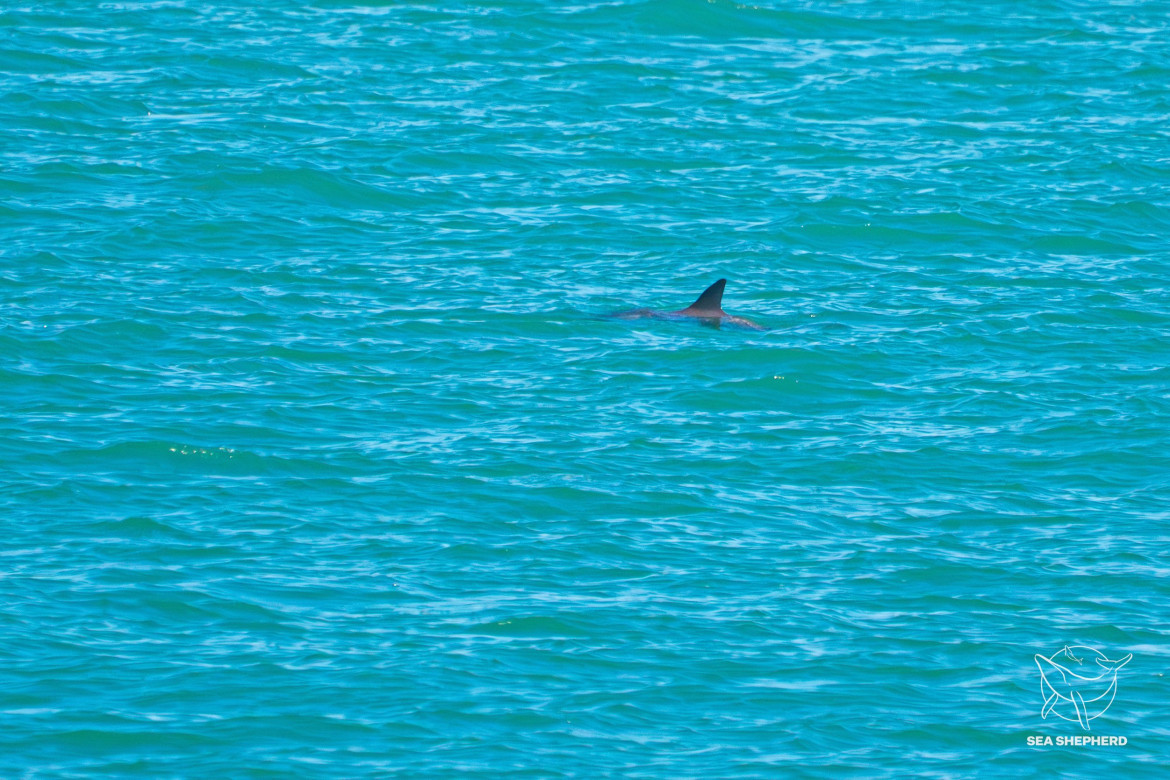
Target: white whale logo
{"x": 1078, "y": 683}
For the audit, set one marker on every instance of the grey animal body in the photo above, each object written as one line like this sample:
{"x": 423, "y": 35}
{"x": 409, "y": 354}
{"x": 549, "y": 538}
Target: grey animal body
{"x": 707, "y": 308}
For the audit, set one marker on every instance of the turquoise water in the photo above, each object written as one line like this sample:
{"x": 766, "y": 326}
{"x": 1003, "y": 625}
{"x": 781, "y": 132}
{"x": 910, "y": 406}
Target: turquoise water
{"x": 320, "y": 457}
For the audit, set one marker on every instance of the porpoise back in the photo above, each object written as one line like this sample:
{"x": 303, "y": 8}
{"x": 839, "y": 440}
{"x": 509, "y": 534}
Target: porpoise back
{"x": 708, "y": 308}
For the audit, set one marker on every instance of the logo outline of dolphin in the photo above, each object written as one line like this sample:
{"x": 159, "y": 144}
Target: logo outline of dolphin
{"x": 1060, "y": 683}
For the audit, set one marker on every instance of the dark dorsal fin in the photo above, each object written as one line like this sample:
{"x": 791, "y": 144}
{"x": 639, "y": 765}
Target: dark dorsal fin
{"x": 711, "y": 300}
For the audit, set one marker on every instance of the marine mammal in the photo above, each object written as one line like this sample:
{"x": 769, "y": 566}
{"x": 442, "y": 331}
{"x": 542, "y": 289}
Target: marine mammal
{"x": 708, "y": 308}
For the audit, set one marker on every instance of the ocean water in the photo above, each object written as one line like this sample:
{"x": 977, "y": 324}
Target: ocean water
{"x": 320, "y": 457}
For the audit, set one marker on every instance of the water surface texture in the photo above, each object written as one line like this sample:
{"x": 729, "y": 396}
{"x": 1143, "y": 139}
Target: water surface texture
{"x": 320, "y": 458}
